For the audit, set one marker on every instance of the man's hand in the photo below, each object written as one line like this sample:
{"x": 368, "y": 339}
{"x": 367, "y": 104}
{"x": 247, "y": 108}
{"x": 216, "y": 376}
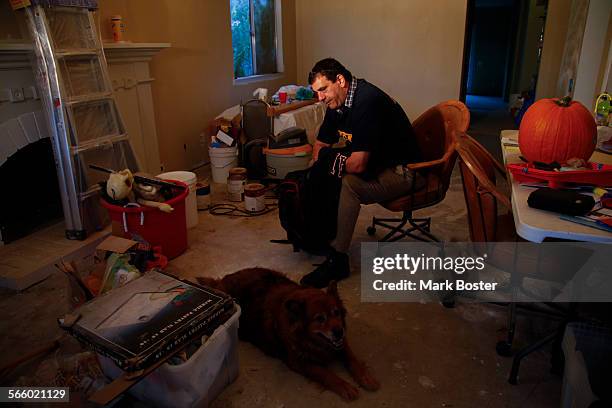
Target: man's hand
{"x": 317, "y": 148}
{"x": 357, "y": 162}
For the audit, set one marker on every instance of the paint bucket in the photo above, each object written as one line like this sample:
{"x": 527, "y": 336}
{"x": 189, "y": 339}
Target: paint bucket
{"x": 235, "y": 183}
{"x": 203, "y": 195}
{"x": 222, "y": 159}
{"x": 254, "y": 197}
{"x": 191, "y": 206}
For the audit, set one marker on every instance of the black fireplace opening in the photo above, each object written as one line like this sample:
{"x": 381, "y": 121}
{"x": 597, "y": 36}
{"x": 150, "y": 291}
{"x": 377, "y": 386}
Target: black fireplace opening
{"x": 31, "y": 197}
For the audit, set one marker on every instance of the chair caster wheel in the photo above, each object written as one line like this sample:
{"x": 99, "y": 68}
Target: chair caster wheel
{"x": 503, "y": 348}
{"x": 371, "y": 231}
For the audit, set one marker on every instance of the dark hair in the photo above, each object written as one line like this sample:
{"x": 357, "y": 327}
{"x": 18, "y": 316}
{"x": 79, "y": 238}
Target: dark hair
{"x": 329, "y": 68}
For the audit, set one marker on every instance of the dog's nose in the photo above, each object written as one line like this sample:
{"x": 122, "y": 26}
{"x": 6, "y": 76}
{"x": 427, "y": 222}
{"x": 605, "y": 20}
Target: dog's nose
{"x": 338, "y": 332}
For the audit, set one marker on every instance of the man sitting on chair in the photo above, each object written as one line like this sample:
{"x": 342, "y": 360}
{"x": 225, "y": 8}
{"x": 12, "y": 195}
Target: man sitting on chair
{"x": 380, "y": 140}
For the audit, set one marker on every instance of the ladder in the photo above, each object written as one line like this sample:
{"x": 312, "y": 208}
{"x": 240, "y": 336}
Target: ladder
{"x": 85, "y": 124}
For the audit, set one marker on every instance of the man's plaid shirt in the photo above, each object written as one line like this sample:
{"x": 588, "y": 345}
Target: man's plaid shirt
{"x": 351, "y": 93}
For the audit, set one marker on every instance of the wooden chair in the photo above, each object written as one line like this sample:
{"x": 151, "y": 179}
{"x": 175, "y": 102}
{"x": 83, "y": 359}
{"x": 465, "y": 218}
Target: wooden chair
{"x": 433, "y": 131}
{"x": 480, "y": 173}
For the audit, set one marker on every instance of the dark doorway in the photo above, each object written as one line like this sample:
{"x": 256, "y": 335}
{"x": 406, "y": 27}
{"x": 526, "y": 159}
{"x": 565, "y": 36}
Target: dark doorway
{"x": 491, "y": 41}
{"x": 503, "y": 44}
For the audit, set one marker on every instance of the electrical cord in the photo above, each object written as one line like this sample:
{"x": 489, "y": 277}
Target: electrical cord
{"x": 232, "y": 209}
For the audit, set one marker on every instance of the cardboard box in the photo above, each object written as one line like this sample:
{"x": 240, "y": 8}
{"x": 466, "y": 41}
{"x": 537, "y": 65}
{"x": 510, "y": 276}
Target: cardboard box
{"x": 225, "y": 138}
{"x": 111, "y": 244}
{"x": 115, "y": 244}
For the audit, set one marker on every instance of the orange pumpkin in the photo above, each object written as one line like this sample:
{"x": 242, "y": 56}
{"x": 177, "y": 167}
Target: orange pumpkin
{"x": 557, "y": 130}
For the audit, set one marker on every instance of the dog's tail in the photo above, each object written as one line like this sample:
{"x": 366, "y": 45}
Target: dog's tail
{"x": 212, "y": 283}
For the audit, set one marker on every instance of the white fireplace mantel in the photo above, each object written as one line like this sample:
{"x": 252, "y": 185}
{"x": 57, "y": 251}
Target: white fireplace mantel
{"x": 16, "y": 55}
{"x": 132, "y": 52}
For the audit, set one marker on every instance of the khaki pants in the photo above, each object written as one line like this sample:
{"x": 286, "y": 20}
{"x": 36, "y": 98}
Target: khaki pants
{"x": 389, "y": 184}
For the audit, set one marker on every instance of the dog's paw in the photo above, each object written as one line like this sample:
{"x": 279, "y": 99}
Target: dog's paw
{"x": 346, "y": 391}
{"x": 364, "y": 377}
{"x": 367, "y": 381}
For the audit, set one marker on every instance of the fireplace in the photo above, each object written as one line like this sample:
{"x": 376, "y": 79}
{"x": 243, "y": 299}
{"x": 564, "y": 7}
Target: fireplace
{"x": 30, "y": 192}
{"x": 23, "y": 127}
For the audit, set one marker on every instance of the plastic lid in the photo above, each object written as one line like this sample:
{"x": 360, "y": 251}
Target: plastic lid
{"x": 238, "y": 171}
{"x": 184, "y": 176}
{"x": 290, "y": 151}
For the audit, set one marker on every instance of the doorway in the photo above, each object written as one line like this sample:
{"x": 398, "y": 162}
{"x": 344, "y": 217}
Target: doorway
{"x": 502, "y": 50}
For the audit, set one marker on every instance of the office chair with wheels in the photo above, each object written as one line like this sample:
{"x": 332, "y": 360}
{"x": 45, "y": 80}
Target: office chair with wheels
{"x": 433, "y": 130}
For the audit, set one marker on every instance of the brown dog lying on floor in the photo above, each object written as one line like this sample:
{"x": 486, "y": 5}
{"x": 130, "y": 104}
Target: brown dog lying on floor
{"x": 302, "y": 326}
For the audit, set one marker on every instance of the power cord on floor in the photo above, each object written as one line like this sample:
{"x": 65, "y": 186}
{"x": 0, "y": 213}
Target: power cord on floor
{"x": 232, "y": 209}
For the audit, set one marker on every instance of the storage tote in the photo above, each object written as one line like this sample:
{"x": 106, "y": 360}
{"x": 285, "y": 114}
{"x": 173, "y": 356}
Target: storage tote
{"x": 196, "y": 382}
{"x": 168, "y": 230}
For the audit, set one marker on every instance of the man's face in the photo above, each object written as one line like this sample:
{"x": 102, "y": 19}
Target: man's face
{"x": 332, "y": 93}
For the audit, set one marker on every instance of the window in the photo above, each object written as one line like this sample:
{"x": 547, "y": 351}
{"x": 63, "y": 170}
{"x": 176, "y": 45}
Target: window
{"x": 255, "y": 37}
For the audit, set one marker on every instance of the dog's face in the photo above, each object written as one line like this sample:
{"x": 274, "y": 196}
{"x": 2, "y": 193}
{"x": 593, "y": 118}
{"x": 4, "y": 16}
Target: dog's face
{"x": 320, "y": 316}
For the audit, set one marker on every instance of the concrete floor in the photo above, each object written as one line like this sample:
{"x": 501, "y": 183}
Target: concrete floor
{"x": 423, "y": 354}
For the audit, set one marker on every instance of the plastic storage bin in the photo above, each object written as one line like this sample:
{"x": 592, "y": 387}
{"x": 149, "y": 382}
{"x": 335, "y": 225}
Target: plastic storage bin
{"x": 198, "y": 381}
{"x": 168, "y": 230}
{"x": 588, "y": 362}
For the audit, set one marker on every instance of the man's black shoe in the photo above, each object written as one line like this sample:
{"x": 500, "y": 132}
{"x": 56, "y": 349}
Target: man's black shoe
{"x": 335, "y": 268}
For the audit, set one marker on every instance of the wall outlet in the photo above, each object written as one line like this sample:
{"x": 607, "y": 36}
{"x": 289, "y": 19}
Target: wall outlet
{"x": 16, "y": 95}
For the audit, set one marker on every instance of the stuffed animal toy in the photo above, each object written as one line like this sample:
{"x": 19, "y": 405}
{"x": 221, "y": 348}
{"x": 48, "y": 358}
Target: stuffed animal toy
{"x": 148, "y": 192}
{"x": 120, "y": 185}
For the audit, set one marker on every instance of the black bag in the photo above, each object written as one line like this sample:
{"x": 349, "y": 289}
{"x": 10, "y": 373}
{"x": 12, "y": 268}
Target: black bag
{"x": 308, "y": 205}
{"x": 561, "y": 201}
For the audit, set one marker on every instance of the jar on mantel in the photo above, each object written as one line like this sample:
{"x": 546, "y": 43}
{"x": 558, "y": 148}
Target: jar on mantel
{"x": 118, "y": 28}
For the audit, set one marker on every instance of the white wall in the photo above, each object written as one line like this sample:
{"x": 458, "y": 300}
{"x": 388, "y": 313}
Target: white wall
{"x": 592, "y": 51}
{"x": 413, "y": 49}
{"x": 529, "y": 64}
{"x": 555, "y": 33}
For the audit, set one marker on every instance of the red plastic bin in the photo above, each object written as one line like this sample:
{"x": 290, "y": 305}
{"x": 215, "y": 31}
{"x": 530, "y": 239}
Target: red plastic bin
{"x": 168, "y": 230}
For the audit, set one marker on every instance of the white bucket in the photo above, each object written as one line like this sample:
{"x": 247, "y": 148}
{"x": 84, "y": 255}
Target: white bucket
{"x": 191, "y": 204}
{"x": 222, "y": 159}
